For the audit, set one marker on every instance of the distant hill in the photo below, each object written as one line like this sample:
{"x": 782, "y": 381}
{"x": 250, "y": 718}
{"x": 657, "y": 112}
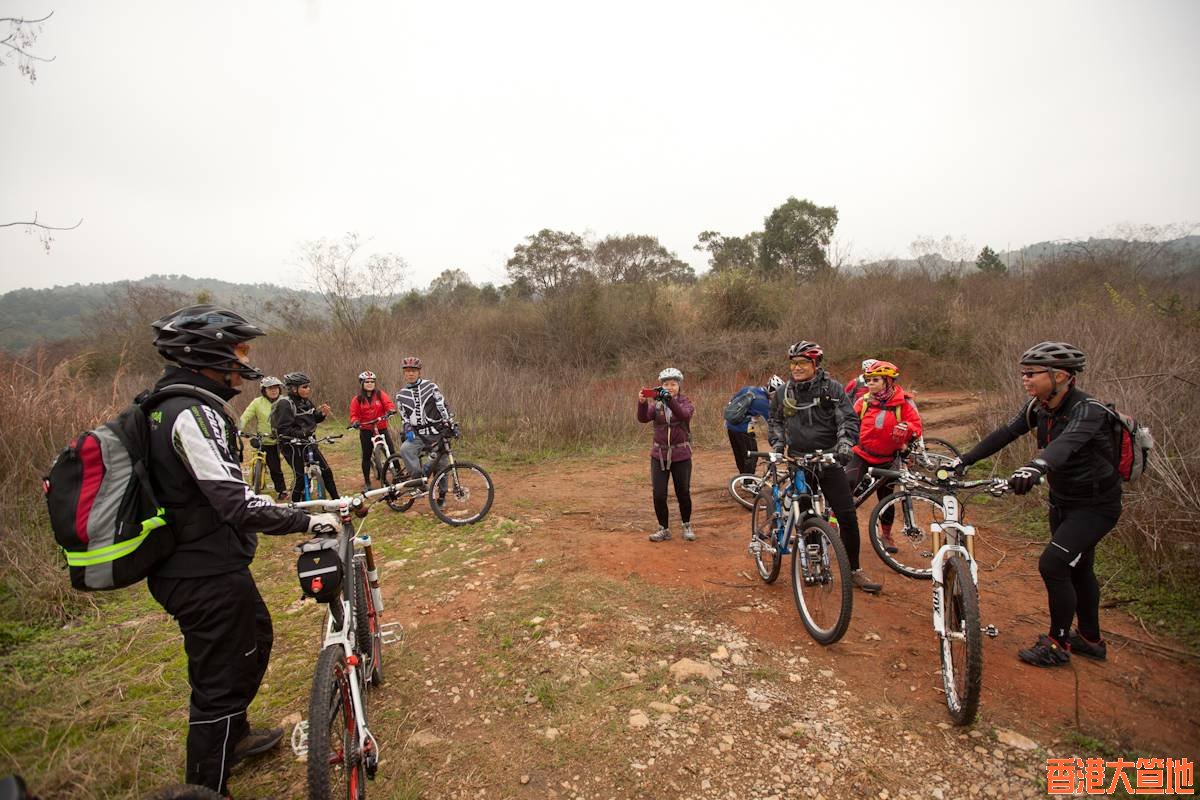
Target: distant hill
{"x": 30, "y": 315}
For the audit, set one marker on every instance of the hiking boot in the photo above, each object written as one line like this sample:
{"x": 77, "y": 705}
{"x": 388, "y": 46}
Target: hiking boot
{"x": 255, "y": 742}
{"x": 863, "y": 582}
{"x": 1082, "y": 647}
{"x": 885, "y": 538}
{"x": 688, "y": 534}
{"x": 660, "y": 535}
{"x": 1046, "y": 652}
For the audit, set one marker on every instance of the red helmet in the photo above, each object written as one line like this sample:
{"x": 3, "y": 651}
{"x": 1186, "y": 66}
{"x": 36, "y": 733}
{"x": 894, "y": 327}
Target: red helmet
{"x": 882, "y": 369}
{"x": 366, "y": 375}
{"x": 411, "y": 362}
{"x": 810, "y": 350}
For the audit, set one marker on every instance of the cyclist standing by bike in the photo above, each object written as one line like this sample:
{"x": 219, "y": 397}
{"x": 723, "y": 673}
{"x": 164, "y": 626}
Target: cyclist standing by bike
{"x": 206, "y": 584}
{"x": 295, "y": 417}
{"x": 1074, "y": 436}
{"x": 425, "y": 415}
{"x": 757, "y": 400}
{"x": 671, "y": 452}
{"x": 814, "y": 413}
{"x": 371, "y": 403}
{"x": 888, "y": 421}
{"x": 259, "y": 413}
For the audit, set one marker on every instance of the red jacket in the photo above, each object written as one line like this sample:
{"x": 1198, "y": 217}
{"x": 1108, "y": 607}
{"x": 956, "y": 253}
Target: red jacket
{"x": 856, "y": 389}
{"x": 374, "y": 408}
{"x": 876, "y": 443}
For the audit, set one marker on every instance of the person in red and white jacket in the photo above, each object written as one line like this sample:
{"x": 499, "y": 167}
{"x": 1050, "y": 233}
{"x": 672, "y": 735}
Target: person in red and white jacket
{"x": 858, "y": 387}
{"x": 888, "y": 421}
{"x": 369, "y": 410}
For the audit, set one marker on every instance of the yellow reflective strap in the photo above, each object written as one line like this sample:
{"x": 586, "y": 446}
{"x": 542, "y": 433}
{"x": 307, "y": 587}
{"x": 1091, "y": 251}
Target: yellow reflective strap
{"x": 114, "y": 551}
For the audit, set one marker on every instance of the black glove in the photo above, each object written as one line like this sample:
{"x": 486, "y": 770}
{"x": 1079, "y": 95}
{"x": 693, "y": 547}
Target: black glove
{"x": 778, "y": 448}
{"x": 844, "y": 452}
{"x": 959, "y": 467}
{"x": 356, "y": 425}
{"x": 455, "y": 431}
{"x": 663, "y": 395}
{"x": 1026, "y": 477}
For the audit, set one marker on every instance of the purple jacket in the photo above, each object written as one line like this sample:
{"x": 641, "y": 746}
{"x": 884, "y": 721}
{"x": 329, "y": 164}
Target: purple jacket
{"x": 672, "y": 423}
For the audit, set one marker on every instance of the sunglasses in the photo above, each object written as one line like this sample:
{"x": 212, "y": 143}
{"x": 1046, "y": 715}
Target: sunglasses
{"x": 1029, "y": 373}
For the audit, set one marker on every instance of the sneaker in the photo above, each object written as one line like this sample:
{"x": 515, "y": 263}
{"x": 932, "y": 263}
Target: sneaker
{"x": 255, "y": 742}
{"x": 1046, "y": 652}
{"x": 863, "y": 582}
{"x": 660, "y": 535}
{"x": 885, "y": 537}
{"x": 1082, "y": 647}
{"x": 688, "y": 535}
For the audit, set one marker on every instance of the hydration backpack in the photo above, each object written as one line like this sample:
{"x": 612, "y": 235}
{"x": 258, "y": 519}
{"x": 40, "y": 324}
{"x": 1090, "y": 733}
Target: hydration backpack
{"x": 738, "y": 409}
{"x": 1131, "y": 441}
{"x": 102, "y": 507}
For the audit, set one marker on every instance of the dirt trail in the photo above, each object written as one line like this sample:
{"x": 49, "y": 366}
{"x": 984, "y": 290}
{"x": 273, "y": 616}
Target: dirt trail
{"x": 1142, "y": 700}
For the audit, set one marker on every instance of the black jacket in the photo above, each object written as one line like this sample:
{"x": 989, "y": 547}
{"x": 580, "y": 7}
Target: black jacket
{"x": 294, "y": 416}
{"x": 794, "y": 421}
{"x": 1076, "y": 447}
{"x": 196, "y": 477}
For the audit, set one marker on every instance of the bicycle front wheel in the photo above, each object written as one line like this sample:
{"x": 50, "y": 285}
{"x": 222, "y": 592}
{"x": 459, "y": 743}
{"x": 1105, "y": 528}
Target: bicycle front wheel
{"x": 315, "y": 486}
{"x": 744, "y": 489}
{"x": 379, "y": 465}
{"x": 938, "y": 454}
{"x": 368, "y": 635}
{"x": 821, "y": 583}
{"x": 461, "y": 493}
{"x": 962, "y": 641}
{"x": 336, "y": 767}
{"x": 912, "y": 514}
{"x": 763, "y": 549}
{"x": 393, "y": 473}
{"x": 256, "y": 476}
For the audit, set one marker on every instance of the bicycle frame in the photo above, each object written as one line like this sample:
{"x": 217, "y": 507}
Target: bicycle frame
{"x": 797, "y": 498}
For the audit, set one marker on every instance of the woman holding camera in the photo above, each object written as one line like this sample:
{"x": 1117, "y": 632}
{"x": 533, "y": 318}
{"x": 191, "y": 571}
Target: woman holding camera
{"x": 671, "y": 452}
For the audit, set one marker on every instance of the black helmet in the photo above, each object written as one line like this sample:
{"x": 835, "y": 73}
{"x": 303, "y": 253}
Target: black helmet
{"x": 293, "y": 379}
{"x": 1055, "y": 355}
{"x": 205, "y": 336}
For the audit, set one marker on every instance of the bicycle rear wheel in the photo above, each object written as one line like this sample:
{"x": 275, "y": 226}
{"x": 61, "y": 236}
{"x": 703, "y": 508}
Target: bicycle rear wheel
{"x": 393, "y": 473}
{"x": 461, "y": 493}
{"x": 335, "y": 760}
{"x": 744, "y": 489}
{"x": 962, "y": 641}
{"x": 368, "y": 635}
{"x": 821, "y": 584}
{"x": 763, "y": 520}
{"x": 912, "y": 515}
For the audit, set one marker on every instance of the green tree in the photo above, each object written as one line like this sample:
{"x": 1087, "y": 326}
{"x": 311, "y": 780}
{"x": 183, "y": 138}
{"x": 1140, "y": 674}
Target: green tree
{"x": 638, "y": 259}
{"x": 795, "y": 238}
{"x": 730, "y": 252}
{"x": 549, "y": 260}
{"x": 989, "y": 262}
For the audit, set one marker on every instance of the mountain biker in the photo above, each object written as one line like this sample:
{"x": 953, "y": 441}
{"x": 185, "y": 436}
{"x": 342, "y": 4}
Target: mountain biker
{"x": 858, "y": 387}
{"x": 425, "y": 413}
{"x": 295, "y": 417}
{"x": 671, "y": 451}
{"x": 1076, "y": 458}
{"x": 888, "y": 421}
{"x": 259, "y": 413}
{"x": 741, "y": 434}
{"x": 812, "y": 412}
{"x": 206, "y": 584}
{"x": 369, "y": 404}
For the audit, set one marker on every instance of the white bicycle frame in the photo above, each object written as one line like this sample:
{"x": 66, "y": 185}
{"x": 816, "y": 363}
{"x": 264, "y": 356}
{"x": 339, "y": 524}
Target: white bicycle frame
{"x": 950, "y": 528}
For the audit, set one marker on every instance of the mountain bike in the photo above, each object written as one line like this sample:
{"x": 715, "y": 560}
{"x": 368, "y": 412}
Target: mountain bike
{"x": 258, "y": 462}
{"x": 314, "y": 483}
{"x": 342, "y": 752}
{"x": 955, "y": 584}
{"x": 387, "y": 466}
{"x": 923, "y": 453}
{"x": 790, "y": 516}
{"x": 460, "y": 492}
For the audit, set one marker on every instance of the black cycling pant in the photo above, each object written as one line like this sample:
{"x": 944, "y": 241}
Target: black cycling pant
{"x": 680, "y": 473}
{"x": 364, "y": 440}
{"x": 741, "y": 444}
{"x": 836, "y": 488}
{"x": 275, "y": 467}
{"x": 1068, "y": 567}
{"x": 296, "y": 459}
{"x": 856, "y": 470}
{"x": 227, "y": 636}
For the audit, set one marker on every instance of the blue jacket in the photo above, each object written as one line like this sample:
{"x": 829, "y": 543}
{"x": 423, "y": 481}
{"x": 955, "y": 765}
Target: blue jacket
{"x": 758, "y": 407}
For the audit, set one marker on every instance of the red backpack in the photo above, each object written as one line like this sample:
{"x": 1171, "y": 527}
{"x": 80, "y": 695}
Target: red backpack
{"x": 1131, "y": 441}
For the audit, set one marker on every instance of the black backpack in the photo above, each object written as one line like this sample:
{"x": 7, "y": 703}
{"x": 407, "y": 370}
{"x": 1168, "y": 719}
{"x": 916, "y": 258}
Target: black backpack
{"x": 737, "y": 410}
{"x": 102, "y": 507}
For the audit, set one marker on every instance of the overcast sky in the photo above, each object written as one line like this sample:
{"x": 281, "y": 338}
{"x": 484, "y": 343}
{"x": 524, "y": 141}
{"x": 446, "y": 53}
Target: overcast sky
{"x": 211, "y": 138}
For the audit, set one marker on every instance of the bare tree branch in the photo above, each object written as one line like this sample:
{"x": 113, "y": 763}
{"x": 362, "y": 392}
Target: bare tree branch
{"x": 35, "y": 224}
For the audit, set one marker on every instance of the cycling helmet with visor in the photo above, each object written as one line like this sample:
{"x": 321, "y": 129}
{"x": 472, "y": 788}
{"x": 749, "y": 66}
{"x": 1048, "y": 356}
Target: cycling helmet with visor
{"x": 810, "y": 350}
{"x": 207, "y": 337}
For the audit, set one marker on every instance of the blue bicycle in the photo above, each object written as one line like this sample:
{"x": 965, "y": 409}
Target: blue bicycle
{"x": 790, "y": 516}
{"x": 314, "y": 482}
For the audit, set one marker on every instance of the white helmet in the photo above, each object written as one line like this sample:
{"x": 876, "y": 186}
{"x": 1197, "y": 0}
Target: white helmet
{"x": 868, "y": 363}
{"x": 775, "y": 384}
{"x": 670, "y": 374}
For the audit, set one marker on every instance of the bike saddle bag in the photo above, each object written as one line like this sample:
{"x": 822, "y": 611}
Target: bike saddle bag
{"x": 320, "y": 569}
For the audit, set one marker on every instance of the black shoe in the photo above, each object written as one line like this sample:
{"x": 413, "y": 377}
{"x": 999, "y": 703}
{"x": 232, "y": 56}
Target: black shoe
{"x": 255, "y": 742}
{"x": 1046, "y": 652}
{"x": 1082, "y": 647}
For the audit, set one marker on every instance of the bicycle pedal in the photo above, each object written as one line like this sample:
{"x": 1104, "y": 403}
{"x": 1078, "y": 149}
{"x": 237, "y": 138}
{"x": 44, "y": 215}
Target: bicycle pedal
{"x": 391, "y": 633}
{"x": 990, "y": 631}
{"x": 300, "y": 739}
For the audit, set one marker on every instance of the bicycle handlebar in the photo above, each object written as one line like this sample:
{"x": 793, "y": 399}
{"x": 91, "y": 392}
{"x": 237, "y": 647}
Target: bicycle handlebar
{"x": 816, "y": 457}
{"x": 372, "y": 421}
{"x": 356, "y": 500}
{"x": 943, "y": 480}
{"x": 310, "y": 439}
